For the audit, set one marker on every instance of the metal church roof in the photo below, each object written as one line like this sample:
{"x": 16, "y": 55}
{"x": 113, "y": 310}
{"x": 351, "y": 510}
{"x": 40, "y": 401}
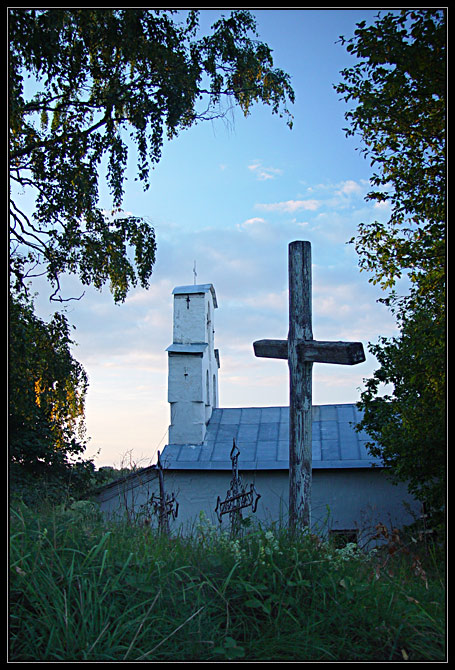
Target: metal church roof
{"x": 262, "y": 437}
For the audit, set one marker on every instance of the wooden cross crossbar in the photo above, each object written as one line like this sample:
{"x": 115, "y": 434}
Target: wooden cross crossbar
{"x": 313, "y": 351}
{"x": 301, "y": 351}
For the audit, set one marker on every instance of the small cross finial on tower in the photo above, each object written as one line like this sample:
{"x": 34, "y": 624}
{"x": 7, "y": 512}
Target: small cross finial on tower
{"x": 194, "y": 272}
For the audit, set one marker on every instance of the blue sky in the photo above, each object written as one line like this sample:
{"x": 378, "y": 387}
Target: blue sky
{"x": 231, "y": 195}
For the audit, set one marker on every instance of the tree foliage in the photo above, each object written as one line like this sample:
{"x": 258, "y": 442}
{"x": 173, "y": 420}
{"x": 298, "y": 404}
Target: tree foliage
{"x": 47, "y": 389}
{"x": 409, "y": 424}
{"x": 88, "y": 84}
{"x": 399, "y": 90}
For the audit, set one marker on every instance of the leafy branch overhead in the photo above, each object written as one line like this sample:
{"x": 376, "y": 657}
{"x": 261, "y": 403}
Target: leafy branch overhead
{"x": 398, "y": 86}
{"x": 86, "y": 85}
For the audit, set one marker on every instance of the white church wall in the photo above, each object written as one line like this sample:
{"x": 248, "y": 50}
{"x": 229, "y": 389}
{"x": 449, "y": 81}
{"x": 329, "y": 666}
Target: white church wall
{"x": 342, "y": 500}
{"x": 184, "y": 384}
{"x": 359, "y": 500}
{"x": 189, "y": 318}
{"x": 185, "y": 396}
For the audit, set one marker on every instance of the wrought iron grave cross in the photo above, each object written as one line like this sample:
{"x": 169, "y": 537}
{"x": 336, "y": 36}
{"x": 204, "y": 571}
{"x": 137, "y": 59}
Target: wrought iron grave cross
{"x": 163, "y": 505}
{"x": 237, "y": 498}
{"x": 301, "y": 351}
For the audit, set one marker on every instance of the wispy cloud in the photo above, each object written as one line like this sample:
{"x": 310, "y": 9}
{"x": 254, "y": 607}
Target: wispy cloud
{"x": 344, "y": 187}
{"x": 254, "y": 221}
{"x": 276, "y": 301}
{"x": 383, "y": 205}
{"x": 263, "y": 173}
{"x": 290, "y": 206}
{"x": 349, "y": 187}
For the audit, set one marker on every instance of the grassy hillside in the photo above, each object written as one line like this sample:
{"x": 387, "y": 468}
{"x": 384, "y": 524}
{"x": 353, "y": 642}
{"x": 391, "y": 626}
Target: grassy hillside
{"x": 83, "y": 590}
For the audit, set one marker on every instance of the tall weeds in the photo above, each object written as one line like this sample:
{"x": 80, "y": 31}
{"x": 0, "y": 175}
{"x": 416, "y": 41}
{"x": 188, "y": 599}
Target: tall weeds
{"x": 83, "y": 590}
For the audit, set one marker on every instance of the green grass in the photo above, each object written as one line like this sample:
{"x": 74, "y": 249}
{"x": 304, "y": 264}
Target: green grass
{"x": 83, "y": 590}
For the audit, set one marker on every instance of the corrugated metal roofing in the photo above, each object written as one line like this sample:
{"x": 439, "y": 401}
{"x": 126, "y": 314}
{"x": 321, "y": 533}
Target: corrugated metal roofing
{"x": 262, "y": 437}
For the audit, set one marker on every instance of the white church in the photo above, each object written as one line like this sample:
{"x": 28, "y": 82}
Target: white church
{"x": 350, "y": 490}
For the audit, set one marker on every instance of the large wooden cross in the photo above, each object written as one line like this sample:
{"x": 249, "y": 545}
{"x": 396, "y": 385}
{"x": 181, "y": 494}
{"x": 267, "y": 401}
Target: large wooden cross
{"x": 301, "y": 351}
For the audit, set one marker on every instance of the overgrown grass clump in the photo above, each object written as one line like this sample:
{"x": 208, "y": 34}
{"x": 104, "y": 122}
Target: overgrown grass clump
{"x": 84, "y": 590}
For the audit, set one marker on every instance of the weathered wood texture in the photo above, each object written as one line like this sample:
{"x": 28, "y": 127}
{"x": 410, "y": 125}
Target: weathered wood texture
{"x": 300, "y": 391}
{"x": 313, "y": 351}
{"x": 301, "y": 351}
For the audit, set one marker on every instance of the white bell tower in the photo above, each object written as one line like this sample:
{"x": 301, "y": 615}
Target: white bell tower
{"x": 192, "y": 363}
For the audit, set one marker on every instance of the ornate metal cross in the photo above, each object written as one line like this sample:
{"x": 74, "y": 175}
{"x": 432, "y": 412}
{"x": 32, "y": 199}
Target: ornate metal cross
{"x": 163, "y": 505}
{"x": 237, "y": 498}
{"x": 301, "y": 351}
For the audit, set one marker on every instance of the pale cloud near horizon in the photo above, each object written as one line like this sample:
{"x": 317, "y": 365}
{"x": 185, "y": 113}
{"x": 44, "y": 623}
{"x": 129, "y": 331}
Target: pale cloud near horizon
{"x": 271, "y": 300}
{"x": 140, "y": 359}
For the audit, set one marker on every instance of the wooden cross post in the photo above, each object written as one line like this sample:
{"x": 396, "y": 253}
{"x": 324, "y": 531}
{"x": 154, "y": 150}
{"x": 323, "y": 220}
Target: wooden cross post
{"x": 301, "y": 351}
